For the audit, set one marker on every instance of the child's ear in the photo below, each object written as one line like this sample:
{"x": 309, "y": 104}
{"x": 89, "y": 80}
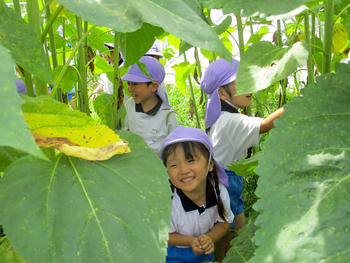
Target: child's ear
{"x": 223, "y": 94}
{"x": 211, "y": 166}
{"x": 155, "y": 86}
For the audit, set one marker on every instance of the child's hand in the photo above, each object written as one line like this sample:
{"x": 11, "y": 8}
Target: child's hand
{"x": 196, "y": 246}
{"x": 206, "y": 244}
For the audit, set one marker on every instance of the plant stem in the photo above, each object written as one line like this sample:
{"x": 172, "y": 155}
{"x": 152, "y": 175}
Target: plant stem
{"x": 34, "y": 20}
{"x": 240, "y": 34}
{"x": 310, "y": 66}
{"x": 279, "y": 35}
{"x": 74, "y": 50}
{"x": 49, "y": 24}
{"x": 116, "y": 77}
{"x": 17, "y": 7}
{"x": 327, "y": 46}
{"x": 82, "y": 83}
{"x": 193, "y": 98}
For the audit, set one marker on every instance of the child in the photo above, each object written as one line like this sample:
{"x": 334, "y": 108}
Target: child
{"x": 231, "y": 133}
{"x": 200, "y": 214}
{"x": 148, "y": 112}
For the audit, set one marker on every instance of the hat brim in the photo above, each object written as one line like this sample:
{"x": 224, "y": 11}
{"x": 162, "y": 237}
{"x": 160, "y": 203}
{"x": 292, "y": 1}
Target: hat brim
{"x": 135, "y": 78}
{"x": 231, "y": 79}
{"x": 154, "y": 54}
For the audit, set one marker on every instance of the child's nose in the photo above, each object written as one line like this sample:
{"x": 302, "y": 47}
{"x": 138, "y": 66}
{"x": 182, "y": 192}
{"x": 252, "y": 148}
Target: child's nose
{"x": 183, "y": 168}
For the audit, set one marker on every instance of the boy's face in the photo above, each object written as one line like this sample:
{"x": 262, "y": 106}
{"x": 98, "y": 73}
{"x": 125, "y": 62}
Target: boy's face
{"x": 142, "y": 92}
{"x": 239, "y": 101}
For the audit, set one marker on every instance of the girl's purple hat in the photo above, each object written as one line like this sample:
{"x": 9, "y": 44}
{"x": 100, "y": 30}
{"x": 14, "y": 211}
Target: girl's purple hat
{"x": 155, "y": 69}
{"x": 185, "y": 134}
{"x": 218, "y": 74}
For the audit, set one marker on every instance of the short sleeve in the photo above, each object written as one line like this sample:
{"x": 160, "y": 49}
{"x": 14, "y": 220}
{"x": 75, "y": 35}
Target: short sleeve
{"x": 226, "y": 202}
{"x": 172, "y": 122}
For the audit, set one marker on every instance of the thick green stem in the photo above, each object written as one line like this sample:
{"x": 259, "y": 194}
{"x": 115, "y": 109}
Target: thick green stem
{"x": 52, "y": 46}
{"x": 193, "y": 98}
{"x": 82, "y": 83}
{"x": 199, "y": 66}
{"x": 34, "y": 20}
{"x": 240, "y": 34}
{"x": 74, "y": 50}
{"x": 328, "y": 34}
{"x": 17, "y": 7}
{"x": 49, "y": 24}
{"x": 116, "y": 78}
{"x": 310, "y": 65}
{"x": 279, "y": 35}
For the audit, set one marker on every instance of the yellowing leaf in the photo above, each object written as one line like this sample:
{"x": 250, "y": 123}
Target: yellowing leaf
{"x": 340, "y": 38}
{"x": 54, "y": 125}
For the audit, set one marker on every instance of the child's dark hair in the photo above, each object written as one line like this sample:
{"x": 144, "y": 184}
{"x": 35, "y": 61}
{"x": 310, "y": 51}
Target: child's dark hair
{"x": 227, "y": 89}
{"x": 189, "y": 149}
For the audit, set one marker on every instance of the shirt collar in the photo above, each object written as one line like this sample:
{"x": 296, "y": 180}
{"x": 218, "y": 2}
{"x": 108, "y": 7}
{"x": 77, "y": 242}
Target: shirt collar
{"x": 189, "y": 205}
{"x": 151, "y": 112}
{"x": 227, "y": 106}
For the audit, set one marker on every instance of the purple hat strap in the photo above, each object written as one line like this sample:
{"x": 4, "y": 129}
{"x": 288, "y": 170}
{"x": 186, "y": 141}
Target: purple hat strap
{"x": 213, "y": 109}
{"x": 163, "y": 95}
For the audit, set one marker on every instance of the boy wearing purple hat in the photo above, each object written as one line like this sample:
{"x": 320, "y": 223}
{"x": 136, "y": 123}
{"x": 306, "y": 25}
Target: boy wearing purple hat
{"x": 231, "y": 132}
{"x": 148, "y": 112}
{"x": 200, "y": 211}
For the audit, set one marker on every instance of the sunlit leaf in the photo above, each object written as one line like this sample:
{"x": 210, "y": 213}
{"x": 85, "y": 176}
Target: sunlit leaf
{"x": 24, "y": 44}
{"x": 305, "y": 177}
{"x": 69, "y": 79}
{"x": 174, "y": 16}
{"x": 273, "y": 9}
{"x": 73, "y": 210}
{"x": 7, "y": 253}
{"x": 263, "y": 64}
{"x": 182, "y": 72}
{"x": 340, "y": 38}
{"x": 14, "y": 131}
{"x": 72, "y": 132}
{"x": 258, "y": 35}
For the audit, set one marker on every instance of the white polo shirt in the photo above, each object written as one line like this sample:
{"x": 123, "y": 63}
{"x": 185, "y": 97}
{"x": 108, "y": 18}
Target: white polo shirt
{"x": 232, "y": 134}
{"x": 197, "y": 220}
{"x": 152, "y": 128}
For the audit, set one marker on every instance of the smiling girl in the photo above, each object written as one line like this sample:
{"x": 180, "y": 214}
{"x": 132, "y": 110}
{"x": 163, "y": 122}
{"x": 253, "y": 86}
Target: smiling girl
{"x": 201, "y": 213}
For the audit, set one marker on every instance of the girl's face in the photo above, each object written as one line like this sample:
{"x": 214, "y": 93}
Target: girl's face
{"x": 190, "y": 174}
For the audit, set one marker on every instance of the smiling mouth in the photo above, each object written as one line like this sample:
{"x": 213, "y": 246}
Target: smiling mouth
{"x": 187, "y": 179}
{"x": 249, "y": 96}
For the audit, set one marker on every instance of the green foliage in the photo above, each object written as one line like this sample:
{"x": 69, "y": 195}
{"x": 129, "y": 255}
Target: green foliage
{"x": 69, "y": 79}
{"x": 242, "y": 245}
{"x": 304, "y": 178}
{"x": 75, "y": 210}
{"x": 7, "y": 156}
{"x": 16, "y": 134}
{"x": 263, "y": 64}
{"x": 24, "y": 44}
{"x": 128, "y": 16}
{"x": 258, "y": 8}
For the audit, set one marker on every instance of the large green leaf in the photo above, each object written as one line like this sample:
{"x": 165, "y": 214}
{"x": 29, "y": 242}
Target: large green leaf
{"x": 263, "y": 64}
{"x": 135, "y": 44}
{"x": 73, "y": 210}
{"x": 7, "y": 156}
{"x": 25, "y": 46}
{"x": 174, "y": 16}
{"x": 14, "y": 131}
{"x": 305, "y": 178}
{"x": 263, "y": 8}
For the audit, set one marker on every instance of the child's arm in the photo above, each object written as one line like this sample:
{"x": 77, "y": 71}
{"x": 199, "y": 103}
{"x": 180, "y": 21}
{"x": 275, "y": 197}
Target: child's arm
{"x": 176, "y": 239}
{"x": 267, "y": 124}
{"x": 214, "y": 235}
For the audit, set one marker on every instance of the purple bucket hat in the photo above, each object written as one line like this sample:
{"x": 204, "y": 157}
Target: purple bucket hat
{"x": 21, "y": 87}
{"x": 185, "y": 134}
{"x": 155, "y": 69}
{"x": 154, "y": 51}
{"x": 218, "y": 74}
